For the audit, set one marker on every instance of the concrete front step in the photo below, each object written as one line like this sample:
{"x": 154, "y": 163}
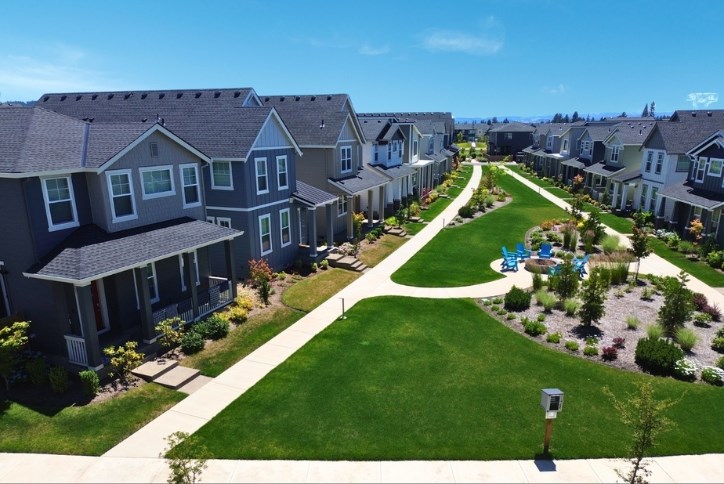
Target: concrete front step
{"x": 153, "y": 369}
{"x": 177, "y": 377}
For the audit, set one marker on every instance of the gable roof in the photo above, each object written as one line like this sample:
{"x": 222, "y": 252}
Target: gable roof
{"x": 514, "y": 127}
{"x": 696, "y": 115}
{"x": 715, "y": 138}
{"x": 426, "y": 122}
{"x": 679, "y": 138}
{"x": 630, "y": 133}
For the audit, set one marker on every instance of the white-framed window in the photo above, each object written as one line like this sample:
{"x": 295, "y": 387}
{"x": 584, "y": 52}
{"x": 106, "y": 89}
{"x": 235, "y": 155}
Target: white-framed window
{"x": 700, "y": 169}
{"x": 152, "y": 282}
{"x": 615, "y": 150}
{"x": 400, "y": 147}
{"x": 262, "y": 180}
{"x": 221, "y": 178}
{"x": 415, "y": 146}
{"x": 282, "y": 173}
{"x": 586, "y": 147}
{"x": 649, "y": 161}
{"x": 565, "y": 145}
{"x": 714, "y": 167}
{"x": 654, "y": 190}
{"x": 223, "y": 222}
{"x": 697, "y": 213}
{"x": 285, "y": 227}
{"x": 659, "y": 163}
{"x": 345, "y": 158}
{"x": 59, "y": 203}
{"x": 120, "y": 191}
{"x": 157, "y": 182}
{"x": 376, "y": 153}
{"x": 210, "y": 219}
{"x": 190, "y": 185}
{"x": 508, "y": 136}
{"x": 549, "y": 141}
{"x": 644, "y": 194}
{"x": 154, "y": 150}
{"x": 265, "y": 239}
{"x": 341, "y": 206}
{"x": 389, "y": 151}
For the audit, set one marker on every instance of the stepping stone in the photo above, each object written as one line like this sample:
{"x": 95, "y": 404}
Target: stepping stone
{"x": 177, "y": 377}
{"x": 195, "y": 384}
{"x": 153, "y": 369}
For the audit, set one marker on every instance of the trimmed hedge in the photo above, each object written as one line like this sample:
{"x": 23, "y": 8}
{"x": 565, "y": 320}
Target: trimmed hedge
{"x": 657, "y": 356}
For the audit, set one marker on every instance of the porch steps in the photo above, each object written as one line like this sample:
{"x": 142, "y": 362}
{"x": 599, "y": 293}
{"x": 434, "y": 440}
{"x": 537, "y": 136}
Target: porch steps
{"x": 177, "y": 377}
{"x": 153, "y": 369}
{"x": 398, "y": 231}
{"x": 346, "y": 262}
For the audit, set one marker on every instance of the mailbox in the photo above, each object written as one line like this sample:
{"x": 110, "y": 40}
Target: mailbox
{"x": 551, "y": 399}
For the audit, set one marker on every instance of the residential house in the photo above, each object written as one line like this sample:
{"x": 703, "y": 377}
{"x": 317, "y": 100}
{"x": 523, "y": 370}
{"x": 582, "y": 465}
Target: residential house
{"x": 103, "y": 232}
{"x": 250, "y": 182}
{"x": 509, "y": 138}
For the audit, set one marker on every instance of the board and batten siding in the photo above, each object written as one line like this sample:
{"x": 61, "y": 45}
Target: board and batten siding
{"x": 711, "y": 183}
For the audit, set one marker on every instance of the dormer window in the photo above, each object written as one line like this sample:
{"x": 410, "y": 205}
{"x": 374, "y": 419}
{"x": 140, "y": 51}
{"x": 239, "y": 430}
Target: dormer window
{"x": 345, "y": 157}
{"x": 565, "y": 145}
{"x": 59, "y": 203}
{"x": 614, "y": 153}
{"x": 549, "y": 142}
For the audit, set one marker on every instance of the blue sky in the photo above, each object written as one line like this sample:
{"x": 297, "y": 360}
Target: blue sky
{"x": 474, "y": 58}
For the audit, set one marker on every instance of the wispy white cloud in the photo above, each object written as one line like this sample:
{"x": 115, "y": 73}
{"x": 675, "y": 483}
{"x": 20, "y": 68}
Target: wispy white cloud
{"x": 487, "y": 40}
{"x": 367, "y": 49}
{"x": 702, "y": 99}
{"x": 555, "y": 90}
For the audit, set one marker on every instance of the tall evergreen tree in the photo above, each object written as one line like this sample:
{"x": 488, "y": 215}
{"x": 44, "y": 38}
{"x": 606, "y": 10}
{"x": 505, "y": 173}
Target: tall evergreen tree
{"x": 575, "y": 117}
{"x": 495, "y": 119}
{"x": 652, "y": 110}
{"x": 645, "y": 112}
{"x": 506, "y": 121}
{"x": 623, "y": 115}
{"x": 566, "y": 119}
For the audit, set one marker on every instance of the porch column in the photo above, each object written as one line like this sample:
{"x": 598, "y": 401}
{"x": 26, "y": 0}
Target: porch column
{"x": 191, "y": 274}
{"x": 330, "y": 224}
{"x": 148, "y": 332}
{"x": 299, "y": 221}
{"x": 658, "y": 207}
{"x": 370, "y": 207}
{"x": 312, "y": 220}
{"x": 230, "y": 266}
{"x": 350, "y": 217}
{"x": 87, "y": 319}
{"x": 614, "y": 198}
{"x": 624, "y": 197}
{"x": 383, "y": 203}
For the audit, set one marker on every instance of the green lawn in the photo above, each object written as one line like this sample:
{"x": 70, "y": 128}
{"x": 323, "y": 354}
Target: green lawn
{"x": 413, "y": 228}
{"x": 409, "y": 379}
{"x": 700, "y": 270}
{"x": 381, "y": 249}
{"x": 532, "y": 178}
{"x": 558, "y": 192}
{"x": 82, "y": 430}
{"x": 309, "y": 293}
{"x": 619, "y": 224}
{"x": 441, "y": 204}
{"x": 461, "y": 256}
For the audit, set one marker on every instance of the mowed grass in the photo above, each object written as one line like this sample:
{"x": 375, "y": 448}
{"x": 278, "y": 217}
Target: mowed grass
{"x": 532, "y": 178}
{"x": 309, "y": 293}
{"x": 408, "y": 379}
{"x": 558, "y": 192}
{"x": 221, "y": 354}
{"x": 461, "y": 256}
{"x": 83, "y": 430}
{"x": 441, "y": 204}
{"x": 622, "y": 225}
{"x": 381, "y": 249}
{"x": 700, "y": 270}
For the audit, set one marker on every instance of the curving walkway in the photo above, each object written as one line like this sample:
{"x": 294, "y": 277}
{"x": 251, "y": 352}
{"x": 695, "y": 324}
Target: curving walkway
{"x": 136, "y": 459}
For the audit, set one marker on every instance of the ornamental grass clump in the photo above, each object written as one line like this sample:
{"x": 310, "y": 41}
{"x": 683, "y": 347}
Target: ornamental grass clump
{"x": 686, "y": 338}
{"x": 546, "y": 299}
{"x": 632, "y": 322}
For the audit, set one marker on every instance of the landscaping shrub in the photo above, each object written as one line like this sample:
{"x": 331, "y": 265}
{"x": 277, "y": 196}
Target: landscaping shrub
{"x": 498, "y": 300}
{"x": 657, "y": 356}
{"x": 610, "y": 244}
{"x": 699, "y": 300}
{"x": 712, "y": 375}
{"x": 702, "y": 320}
{"x": 324, "y": 264}
{"x": 619, "y": 342}
{"x": 685, "y": 370}
{"x": 537, "y": 281}
{"x": 236, "y": 314}
{"x": 609, "y": 353}
{"x": 89, "y": 382}
{"x": 37, "y": 371}
{"x": 677, "y": 306}
{"x": 313, "y": 267}
{"x": 686, "y": 338}
{"x": 545, "y": 299}
{"x": 717, "y": 343}
{"x": 541, "y": 317}
{"x": 59, "y": 381}
{"x": 170, "y": 332}
{"x": 192, "y": 342}
{"x": 632, "y": 322}
{"x": 593, "y": 296}
{"x": 245, "y": 301}
{"x": 647, "y": 294}
{"x": 123, "y": 359}
{"x": 553, "y": 338}
{"x": 466, "y": 211}
{"x": 370, "y": 238}
{"x": 654, "y": 331}
{"x": 510, "y": 316}
{"x": 487, "y": 302}
{"x": 715, "y": 259}
{"x": 686, "y": 247}
{"x": 570, "y": 306}
{"x": 489, "y": 201}
{"x": 216, "y": 327}
{"x": 565, "y": 282}
{"x": 590, "y": 350}
{"x": 534, "y": 328}
{"x": 720, "y": 362}
{"x": 571, "y": 345}
{"x": 517, "y": 299}
{"x": 713, "y": 311}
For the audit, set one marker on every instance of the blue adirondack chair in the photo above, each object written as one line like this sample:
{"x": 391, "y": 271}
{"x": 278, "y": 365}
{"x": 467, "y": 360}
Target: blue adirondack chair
{"x": 523, "y": 253}
{"x": 545, "y": 251}
{"x": 510, "y": 261}
{"x": 580, "y": 265}
{"x": 554, "y": 270}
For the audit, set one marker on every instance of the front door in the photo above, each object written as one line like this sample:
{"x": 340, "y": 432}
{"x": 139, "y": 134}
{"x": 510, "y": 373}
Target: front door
{"x": 99, "y": 306}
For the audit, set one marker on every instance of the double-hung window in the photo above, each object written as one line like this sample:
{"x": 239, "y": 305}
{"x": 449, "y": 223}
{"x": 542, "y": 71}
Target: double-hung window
{"x": 659, "y": 162}
{"x": 285, "y": 227}
{"x": 615, "y": 149}
{"x": 221, "y": 175}
{"x": 152, "y": 282}
{"x": 341, "y": 206}
{"x": 345, "y": 157}
{"x": 157, "y": 182}
{"x": 262, "y": 181}
{"x": 654, "y": 190}
{"x": 700, "y": 169}
{"x": 549, "y": 142}
{"x": 389, "y": 151}
{"x": 376, "y": 153}
{"x": 649, "y": 161}
{"x": 223, "y": 222}
{"x": 415, "y": 146}
{"x": 120, "y": 190}
{"x": 265, "y": 240}
{"x": 282, "y": 175}
{"x": 59, "y": 203}
{"x": 565, "y": 145}
{"x": 715, "y": 167}
{"x": 190, "y": 185}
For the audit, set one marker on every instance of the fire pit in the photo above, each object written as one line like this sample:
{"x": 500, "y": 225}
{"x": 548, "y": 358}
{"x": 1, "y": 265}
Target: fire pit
{"x": 539, "y": 266}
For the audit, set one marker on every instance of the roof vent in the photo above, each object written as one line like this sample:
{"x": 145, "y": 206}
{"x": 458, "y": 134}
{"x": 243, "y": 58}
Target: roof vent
{"x": 641, "y": 131}
{"x": 329, "y": 98}
{"x": 45, "y": 99}
{"x": 313, "y": 98}
{"x": 127, "y": 95}
{"x": 78, "y": 98}
{"x": 110, "y": 96}
{"x": 266, "y": 99}
{"x": 693, "y": 114}
{"x": 94, "y": 96}
{"x": 90, "y": 120}
{"x": 281, "y": 99}
{"x": 296, "y": 98}
{"x": 143, "y": 120}
{"x": 217, "y": 94}
{"x": 179, "y": 95}
{"x": 197, "y": 95}
{"x": 62, "y": 98}
{"x": 237, "y": 94}
{"x": 162, "y": 95}
{"x": 321, "y": 125}
{"x": 144, "y": 95}
{"x": 708, "y": 113}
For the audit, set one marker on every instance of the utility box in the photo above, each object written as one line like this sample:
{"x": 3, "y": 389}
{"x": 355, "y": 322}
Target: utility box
{"x": 551, "y": 399}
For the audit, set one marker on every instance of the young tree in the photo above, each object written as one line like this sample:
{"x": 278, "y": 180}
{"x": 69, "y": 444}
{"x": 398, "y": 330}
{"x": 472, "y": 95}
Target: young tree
{"x": 644, "y": 415}
{"x": 639, "y": 247}
{"x": 13, "y": 339}
{"x": 594, "y": 224}
{"x": 185, "y": 466}
{"x": 593, "y": 295}
{"x": 678, "y": 304}
{"x": 565, "y": 282}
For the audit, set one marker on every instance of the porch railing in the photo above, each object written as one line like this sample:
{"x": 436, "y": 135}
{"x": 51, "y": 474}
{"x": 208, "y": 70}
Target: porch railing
{"x": 77, "y": 354}
{"x": 217, "y": 295}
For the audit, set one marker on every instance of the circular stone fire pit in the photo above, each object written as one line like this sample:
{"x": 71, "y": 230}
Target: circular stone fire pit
{"x": 539, "y": 266}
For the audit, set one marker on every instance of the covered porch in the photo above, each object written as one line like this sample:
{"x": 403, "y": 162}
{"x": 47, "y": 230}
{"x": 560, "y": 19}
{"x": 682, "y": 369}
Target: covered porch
{"x": 597, "y": 179}
{"x": 309, "y": 200}
{"x": 364, "y": 192}
{"x": 685, "y": 203}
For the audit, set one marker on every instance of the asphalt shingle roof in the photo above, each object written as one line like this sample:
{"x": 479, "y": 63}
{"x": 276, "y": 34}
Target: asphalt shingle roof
{"x": 90, "y": 252}
{"x": 397, "y": 171}
{"x": 687, "y": 193}
{"x": 633, "y": 133}
{"x": 365, "y": 179}
{"x": 696, "y": 115}
{"x": 602, "y": 169}
{"x": 312, "y": 196}
{"x": 678, "y": 138}
{"x": 514, "y": 127}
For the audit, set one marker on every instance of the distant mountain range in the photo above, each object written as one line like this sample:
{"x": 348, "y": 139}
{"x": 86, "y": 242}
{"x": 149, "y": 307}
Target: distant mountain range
{"x": 19, "y": 103}
{"x": 547, "y": 117}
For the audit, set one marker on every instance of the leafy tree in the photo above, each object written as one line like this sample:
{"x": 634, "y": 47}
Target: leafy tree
{"x": 565, "y": 282}
{"x": 678, "y": 304}
{"x": 185, "y": 466}
{"x": 595, "y": 225}
{"x": 459, "y": 137}
{"x": 576, "y": 209}
{"x": 639, "y": 246}
{"x": 13, "y": 339}
{"x": 645, "y": 112}
{"x": 644, "y": 415}
{"x": 566, "y": 119}
{"x": 593, "y": 295}
{"x": 492, "y": 175}
{"x": 643, "y": 219}
{"x": 495, "y": 120}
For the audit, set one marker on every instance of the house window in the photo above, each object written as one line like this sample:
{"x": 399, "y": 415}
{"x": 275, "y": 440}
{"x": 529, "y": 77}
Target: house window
{"x": 157, "y": 182}
{"x": 210, "y": 219}
{"x": 262, "y": 184}
{"x": 377, "y": 155}
{"x": 389, "y": 152}
{"x": 341, "y": 206}
{"x": 649, "y": 160}
{"x": 400, "y": 145}
{"x": 508, "y": 136}
{"x": 549, "y": 141}
{"x": 345, "y": 156}
{"x": 59, "y": 203}
{"x": 221, "y": 175}
{"x": 614, "y": 153}
{"x": 697, "y": 213}
{"x": 223, "y": 222}
{"x": 714, "y": 167}
{"x": 286, "y": 231}
{"x": 152, "y": 282}
{"x": 190, "y": 184}
{"x": 700, "y": 169}
{"x": 120, "y": 190}
{"x": 644, "y": 191}
{"x": 414, "y": 148}
{"x": 265, "y": 240}
{"x": 587, "y": 147}
{"x": 659, "y": 162}
{"x": 654, "y": 190}
{"x": 565, "y": 145}
{"x": 578, "y": 145}
{"x": 282, "y": 178}
{"x": 154, "y": 150}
